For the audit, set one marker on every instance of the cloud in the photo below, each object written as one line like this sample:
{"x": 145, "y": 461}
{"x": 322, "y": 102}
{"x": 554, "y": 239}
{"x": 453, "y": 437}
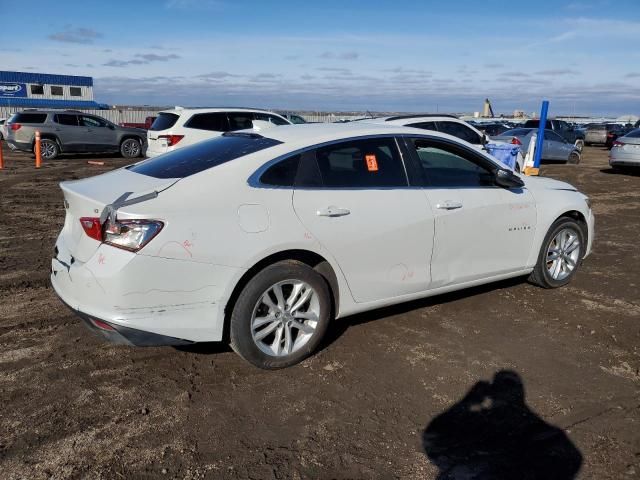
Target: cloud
{"x": 216, "y": 75}
{"x": 142, "y": 59}
{"x": 632, "y": 75}
{"x": 75, "y": 35}
{"x": 340, "y": 56}
{"x": 344, "y": 71}
{"x": 558, "y": 72}
{"x": 494, "y": 65}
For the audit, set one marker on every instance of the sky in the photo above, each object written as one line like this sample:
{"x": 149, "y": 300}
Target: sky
{"x": 428, "y": 56}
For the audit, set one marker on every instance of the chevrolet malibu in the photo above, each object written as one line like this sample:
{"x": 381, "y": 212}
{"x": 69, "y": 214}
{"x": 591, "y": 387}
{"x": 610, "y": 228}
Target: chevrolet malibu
{"x": 263, "y": 240}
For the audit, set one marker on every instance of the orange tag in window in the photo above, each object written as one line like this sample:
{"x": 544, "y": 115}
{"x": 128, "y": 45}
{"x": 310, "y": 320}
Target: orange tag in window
{"x": 372, "y": 163}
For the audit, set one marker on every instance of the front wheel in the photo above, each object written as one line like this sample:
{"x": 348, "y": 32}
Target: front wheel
{"x": 131, "y": 148}
{"x": 281, "y": 315}
{"x": 560, "y": 255}
{"x": 574, "y": 158}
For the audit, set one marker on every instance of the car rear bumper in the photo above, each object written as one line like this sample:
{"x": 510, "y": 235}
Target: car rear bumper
{"x": 624, "y": 159}
{"x": 22, "y": 146}
{"x": 141, "y": 296}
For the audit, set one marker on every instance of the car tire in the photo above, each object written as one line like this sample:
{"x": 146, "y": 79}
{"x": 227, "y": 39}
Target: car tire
{"x": 131, "y": 148}
{"x": 579, "y": 144}
{"x": 49, "y": 149}
{"x": 559, "y": 257}
{"x": 574, "y": 158}
{"x": 274, "y": 329}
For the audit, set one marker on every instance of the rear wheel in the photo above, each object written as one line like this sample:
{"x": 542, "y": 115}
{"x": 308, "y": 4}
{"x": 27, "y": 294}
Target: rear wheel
{"x": 560, "y": 255}
{"x": 574, "y": 158}
{"x": 130, "y": 148}
{"x": 49, "y": 149}
{"x": 281, "y": 315}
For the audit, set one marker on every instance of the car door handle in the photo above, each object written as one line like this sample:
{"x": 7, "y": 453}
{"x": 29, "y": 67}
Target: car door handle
{"x": 333, "y": 212}
{"x": 449, "y": 205}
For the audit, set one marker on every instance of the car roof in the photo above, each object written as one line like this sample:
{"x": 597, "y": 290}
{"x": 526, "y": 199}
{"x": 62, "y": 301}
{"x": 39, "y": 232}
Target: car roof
{"x": 179, "y": 110}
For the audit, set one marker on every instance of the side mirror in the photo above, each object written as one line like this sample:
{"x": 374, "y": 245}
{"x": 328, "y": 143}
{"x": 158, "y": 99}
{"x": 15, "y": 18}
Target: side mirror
{"x": 507, "y": 179}
{"x": 485, "y": 139}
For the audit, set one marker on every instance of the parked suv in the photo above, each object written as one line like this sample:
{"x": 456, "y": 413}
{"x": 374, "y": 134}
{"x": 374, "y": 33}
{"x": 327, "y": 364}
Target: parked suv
{"x": 562, "y": 128}
{"x": 71, "y": 131}
{"x": 179, "y": 127}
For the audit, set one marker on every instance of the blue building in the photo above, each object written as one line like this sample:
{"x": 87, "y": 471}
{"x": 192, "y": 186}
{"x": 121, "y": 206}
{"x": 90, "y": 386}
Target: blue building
{"x": 20, "y": 90}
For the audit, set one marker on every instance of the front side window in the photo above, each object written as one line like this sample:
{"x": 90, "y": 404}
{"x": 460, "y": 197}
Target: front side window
{"x": 87, "y": 121}
{"x": 37, "y": 89}
{"x": 444, "y": 165}
{"x": 58, "y": 91}
{"x": 214, "y": 122}
{"x": 66, "y": 119}
{"x": 368, "y": 163}
{"x": 461, "y": 131}
{"x": 554, "y": 137}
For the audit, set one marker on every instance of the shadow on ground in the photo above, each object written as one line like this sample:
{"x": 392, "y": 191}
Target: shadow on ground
{"x": 492, "y": 434}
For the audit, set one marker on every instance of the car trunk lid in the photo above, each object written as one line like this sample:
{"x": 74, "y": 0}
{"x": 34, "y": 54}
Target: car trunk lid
{"x": 89, "y": 197}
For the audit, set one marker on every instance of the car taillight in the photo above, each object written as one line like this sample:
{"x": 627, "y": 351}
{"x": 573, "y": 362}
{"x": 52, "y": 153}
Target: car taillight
{"x": 171, "y": 139}
{"x": 131, "y": 235}
{"x": 516, "y": 141}
{"x": 92, "y": 227}
{"x": 610, "y": 134}
{"x": 618, "y": 144}
{"x": 15, "y": 126}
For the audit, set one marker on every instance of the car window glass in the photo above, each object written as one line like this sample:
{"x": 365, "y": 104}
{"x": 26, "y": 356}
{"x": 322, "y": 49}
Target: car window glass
{"x": 164, "y": 121}
{"x": 367, "y": 163}
{"x": 459, "y": 130}
{"x": 67, "y": 119}
{"x": 444, "y": 166}
{"x": 240, "y": 120}
{"x": 215, "y": 122}
{"x": 266, "y": 117}
{"x": 87, "y": 121}
{"x": 281, "y": 174}
{"x": 424, "y": 125}
{"x": 634, "y": 133}
{"x": 553, "y": 136}
{"x": 28, "y": 118}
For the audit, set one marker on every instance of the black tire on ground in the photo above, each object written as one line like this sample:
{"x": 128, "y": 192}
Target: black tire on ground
{"x": 241, "y": 338}
{"x": 49, "y": 149}
{"x": 574, "y": 158}
{"x": 540, "y": 275}
{"x": 131, "y": 148}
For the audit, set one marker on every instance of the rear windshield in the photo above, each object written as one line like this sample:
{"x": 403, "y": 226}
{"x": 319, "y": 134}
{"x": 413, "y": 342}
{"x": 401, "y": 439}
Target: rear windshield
{"x": 516, "y": 132}
{"x": 28, "y": 118}
{"x": 203, "y": 155}
{"x": 536, "y": 124}
{"x": 164, "y": 121}
{"x": 634, "y": 133}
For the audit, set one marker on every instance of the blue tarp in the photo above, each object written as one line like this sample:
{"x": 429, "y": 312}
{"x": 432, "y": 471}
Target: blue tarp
{"x": 504, "y": 153}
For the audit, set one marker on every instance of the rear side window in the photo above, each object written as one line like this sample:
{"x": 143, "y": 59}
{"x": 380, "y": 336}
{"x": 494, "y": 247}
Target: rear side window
{"x": 366, "y": 163}
{"x": 66, "y": 119}
{"x": 164, "y": 121}
{"x": 215, "y": 122}
{"x": 266, "y": 117}
{"x": 281, "y": 174}
{"x": 28, "y": 118}
{"x": 203, "y": 155}
{"x": 425, "y": 126}
{"x": 461, "y": 131}
{"x": 240, "y": 120}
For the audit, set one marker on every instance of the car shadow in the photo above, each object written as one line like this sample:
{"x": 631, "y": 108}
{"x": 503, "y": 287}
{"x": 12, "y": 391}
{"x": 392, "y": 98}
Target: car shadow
{"x": 491, "y": 433}
{"x": 630, "y": 171}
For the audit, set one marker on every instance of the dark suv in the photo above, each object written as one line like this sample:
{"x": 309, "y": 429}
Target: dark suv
{"x": 68, "y": 131}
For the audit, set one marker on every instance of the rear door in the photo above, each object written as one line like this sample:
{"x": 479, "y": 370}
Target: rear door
{"x": 481, "y": 230}
{"x": 67, "y": 129}
{"x": 556, "y": 147}
{"x": 354, "y": 199}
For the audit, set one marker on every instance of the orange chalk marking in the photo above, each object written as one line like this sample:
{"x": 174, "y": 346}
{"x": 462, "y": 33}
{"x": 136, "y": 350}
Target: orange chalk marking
{"x": 94, "y": 162}
{"x": 372, "y": 163}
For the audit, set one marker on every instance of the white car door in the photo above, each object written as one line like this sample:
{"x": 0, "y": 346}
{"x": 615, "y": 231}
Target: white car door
{"x": 481, "y": 230}
{"x": 354, "y": 199}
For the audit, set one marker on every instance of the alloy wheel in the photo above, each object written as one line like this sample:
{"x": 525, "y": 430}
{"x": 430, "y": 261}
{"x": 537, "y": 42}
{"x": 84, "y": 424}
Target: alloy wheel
{"x": 563, "y": 254}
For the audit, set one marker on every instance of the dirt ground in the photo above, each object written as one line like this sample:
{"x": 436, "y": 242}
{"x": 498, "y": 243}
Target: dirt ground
{"x": 506, "y": 378}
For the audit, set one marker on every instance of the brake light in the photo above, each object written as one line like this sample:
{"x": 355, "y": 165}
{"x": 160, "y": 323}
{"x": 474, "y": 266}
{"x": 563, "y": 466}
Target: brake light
{"x": 131, "y": 235}
{"x": 15, "y": 126}
{"x": 516, "y": 141}
{"x": 92, "y": 227}
{"x": 171, "y": 139}
{"x": 618, "y": 144}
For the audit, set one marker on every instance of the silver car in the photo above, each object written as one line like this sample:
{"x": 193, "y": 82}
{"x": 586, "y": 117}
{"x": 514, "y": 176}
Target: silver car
{"x": 555, "y": 147}
{"x": 626, "y": 150}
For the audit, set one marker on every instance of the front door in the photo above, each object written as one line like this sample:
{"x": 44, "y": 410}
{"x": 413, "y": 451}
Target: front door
{"x": 481, "y": 230}
{"x": 354, "y": 199}
{"x": 96, "y": 134}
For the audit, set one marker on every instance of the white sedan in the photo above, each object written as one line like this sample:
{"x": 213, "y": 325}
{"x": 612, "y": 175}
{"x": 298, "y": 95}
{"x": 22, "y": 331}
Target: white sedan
{"x": 265, "y": 239}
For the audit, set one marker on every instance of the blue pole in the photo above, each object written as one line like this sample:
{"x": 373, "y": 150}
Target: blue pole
{"x": 540, "y": 140}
